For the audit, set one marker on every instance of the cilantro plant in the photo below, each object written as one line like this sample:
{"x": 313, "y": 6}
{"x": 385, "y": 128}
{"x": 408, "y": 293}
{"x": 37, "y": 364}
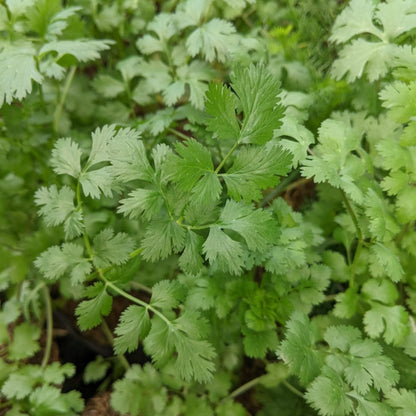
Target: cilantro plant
{"x": 213, "y": 209}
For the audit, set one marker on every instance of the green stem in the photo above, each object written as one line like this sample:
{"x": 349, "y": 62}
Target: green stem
{"x": 352, "y": 215}
{"x": 109, "y": 336}
{"x": 282, "y": 186}
{"x": 139, "y": 286}
{"x": 60, "y": 106}
{"x": 49, "y": 328}
{"x": 359, "y": 236}
{"x": 133, "y": 299}
{"x": 242, "y": 389}
{"x": 178, "y": 133}
{"x": 293, "y": 389}
{"x": 227, "y": 156}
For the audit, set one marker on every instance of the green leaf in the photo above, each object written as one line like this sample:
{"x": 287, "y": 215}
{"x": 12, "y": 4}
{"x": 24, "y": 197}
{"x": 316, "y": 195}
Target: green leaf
{"x": 89, "y": 312}
{"x": 383, "y": 291}
{"x": 347, "y": 303}
{"x": 255, "y": 169}
{"x": 390, "y": 321}
{"x": 257, "y": 343}
{"x": 167, "y": 295}
{"x": 194, "y": 355}
{"x": 25, "y": 341}
{"x": 327, "y": 394}
{"x": 256, "y": 226}
{"x": 69, "y": 258}
{"x": 134, "y": 325}
{"x": 223, "y": 251}
{"x": 66, "y": 158}
{"x": 194, "y": 161}
{"x": 141, "y": 202}
{"x": 96, "y": 182}
{"x": 221, "y": 105}
{"x": 20, "y": 383}
{"x": 298, "y": 350}
{"x": 110, "y": 248}
{"x": 403, "y": 401}
{"x": 258, "y": 92}
{"x": 17, "y": 71}
{"x": 399, "y": 99}
{"x": 162, "y": 238}
{"x": 82, "y": 49}
{"x": 128, "y": 158}
{"x": 96, "y": 370}
{"x": 191, "y": 261}
{"x": 385, "y": 257}
{"x": 55, "y": 205}
{"x": 212, "y": 40}
{"x": 107, "y": 86}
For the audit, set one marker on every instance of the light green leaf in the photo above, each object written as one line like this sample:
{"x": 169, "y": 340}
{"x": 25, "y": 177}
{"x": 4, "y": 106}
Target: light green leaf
{"x": 134, "y": 325}
{"x": 221, "y": 106}
{"x": 162, "y": 238}
{"x": 110, "y": 248}
{"x": 255, "y": 169}
{"x": 258, "y": 92}
{"x": 89, "y": 312}
{"x": 167, "y": 294}
{"x": 223, "y": 251}
{"x": 390, "y": 321}
{"x": 66, "y": 158}
{"x": 141, "y": 202}
{"x": 17, "y": 71}
{"x": 25, "y": 341}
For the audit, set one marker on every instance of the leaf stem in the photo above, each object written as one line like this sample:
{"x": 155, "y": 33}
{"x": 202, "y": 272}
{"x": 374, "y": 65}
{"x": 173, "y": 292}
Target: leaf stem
{"x": 282, "y": 186}
{"x": 59, "y": 108}
{"x": 179, "y": 134}
{"x": 242, "y": 389}
{"x": 141, "y": 287}
{"x": 227, "y": 156}
{"x": 109, "y": 335}
{"x": 49, "y": 328}
{"x": 293, "y": 389}
{"x": 359, "y": 236}
{"x": 132, "y": 298}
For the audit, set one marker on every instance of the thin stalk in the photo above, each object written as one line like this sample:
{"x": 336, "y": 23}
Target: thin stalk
{"x": 60, "y": 106}
{"x": 49, "y": 328}
{"x": 293, "y": 389}
{"x": 359, "y": 236}
{"x": 281, "y": 187}
{"x": 352, "y": 215}
{"x": 227, "y": 156}
{"x": 133, "y": 299}
{"x": 179, "y": 134}
{"x": 109, "y": 335}
{"x": 141, "y": 287}
{"x": 6, "y": 404}
{"x": 242, "y": 389}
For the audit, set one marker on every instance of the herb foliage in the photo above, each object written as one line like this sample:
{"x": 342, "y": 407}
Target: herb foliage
{"x": 151, "y": 154}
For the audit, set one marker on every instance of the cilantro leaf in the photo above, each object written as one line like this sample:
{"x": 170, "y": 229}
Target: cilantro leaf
{"x": 89, "y": 312}
{"x": 212, "y": 40}
{"x": 17, "y": 71}
{"x": 390, "y": 321}
{"x": 256, "y": 226}
{"x": 221, "y": 106}
{"x": 25, "y": 341}
{"x": 162, "y": 237}
{"x": 298, "y": 349}
{"x": 255, "y": 169}
{"x": 167, "y": 294}
{"x": 66, "y": 158}
{"x": 56, "y": 261}
{"x": 134, "y": 325}
{"x": 258, "y": 92}
{"x": 223, "y": 251}
{"x": 194, "y": 161}
{"x": 110, "y": 248}
{"x": 82, "y": 49}
{"x": 141, "y": 202}
{"x": 402, "y": 400}
{"x": 55, "y": 205}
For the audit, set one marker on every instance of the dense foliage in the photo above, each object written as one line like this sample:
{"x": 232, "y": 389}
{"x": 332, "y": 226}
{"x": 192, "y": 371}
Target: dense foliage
{"x": 226, "y": 187}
